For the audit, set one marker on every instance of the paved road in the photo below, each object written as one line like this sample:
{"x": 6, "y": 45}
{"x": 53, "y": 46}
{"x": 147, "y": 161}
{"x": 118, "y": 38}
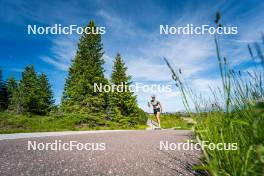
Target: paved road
{"x": 126, "y": 153}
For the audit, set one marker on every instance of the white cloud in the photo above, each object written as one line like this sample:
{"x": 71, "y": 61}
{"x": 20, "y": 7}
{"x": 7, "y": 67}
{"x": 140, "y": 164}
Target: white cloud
{"x": 188, "y": 53}
{"x": 59, "y": 64}
{"x": 202, "y": 84}
{"x": 145, "y": 70}
{"x": 117, "y": 25}
{"x": 63, "y": 51}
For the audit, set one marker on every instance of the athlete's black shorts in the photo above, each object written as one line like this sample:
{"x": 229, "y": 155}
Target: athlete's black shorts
{"x": 156, "y": 110}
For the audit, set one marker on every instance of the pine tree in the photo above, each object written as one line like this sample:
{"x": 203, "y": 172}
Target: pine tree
{"x": 124, "y": 101}
{"x": 11, "y": 88}
{"x": 31, "y": 95}
{"x": 85, "y": 71}
{"x": 3, "y": 93}
{"x": 28, "y": 91}
{"x": 45, "y": 95}
{"x": 16, "y": 102}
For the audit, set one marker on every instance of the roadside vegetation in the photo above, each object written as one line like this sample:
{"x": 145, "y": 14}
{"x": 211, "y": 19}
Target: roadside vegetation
{"x": 18, "y": 123}
{"x": 235, "y": 114}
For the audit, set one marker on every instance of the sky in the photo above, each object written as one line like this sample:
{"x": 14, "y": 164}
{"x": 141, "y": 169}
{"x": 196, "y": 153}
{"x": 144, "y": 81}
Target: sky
{"x": 133, "y": 30}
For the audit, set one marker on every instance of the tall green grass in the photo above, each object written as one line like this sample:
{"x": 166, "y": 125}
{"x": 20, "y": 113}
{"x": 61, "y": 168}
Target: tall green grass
{"x": 235, "y": 114}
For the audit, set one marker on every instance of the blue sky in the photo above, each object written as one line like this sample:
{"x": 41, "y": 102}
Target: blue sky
{"x": 132, "y": 29}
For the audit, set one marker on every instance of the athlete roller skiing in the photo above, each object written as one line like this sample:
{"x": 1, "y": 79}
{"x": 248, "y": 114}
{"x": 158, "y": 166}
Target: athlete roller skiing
{"x": 157, "y": 108}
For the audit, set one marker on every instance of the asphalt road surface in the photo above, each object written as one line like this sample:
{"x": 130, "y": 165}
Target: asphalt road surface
{"x": 126, "y": 153}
